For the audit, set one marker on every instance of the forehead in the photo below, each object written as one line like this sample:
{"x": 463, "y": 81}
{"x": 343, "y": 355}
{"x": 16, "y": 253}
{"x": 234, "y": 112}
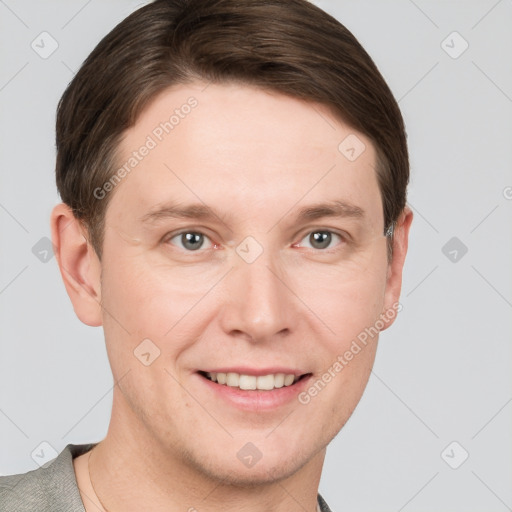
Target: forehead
{"x": 241, "y": 147}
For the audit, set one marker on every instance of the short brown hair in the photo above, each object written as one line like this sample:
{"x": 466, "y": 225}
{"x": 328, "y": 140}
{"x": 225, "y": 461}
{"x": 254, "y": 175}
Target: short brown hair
{"x": 288, "y": 46}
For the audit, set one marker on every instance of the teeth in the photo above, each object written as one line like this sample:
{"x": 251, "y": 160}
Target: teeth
{"x": 247, "y": 382}
{"x": 263, "y": 382}
{"x": 232, "y": 379}
{"x": 279, "y": 380}
{"x": 288, "y": 379}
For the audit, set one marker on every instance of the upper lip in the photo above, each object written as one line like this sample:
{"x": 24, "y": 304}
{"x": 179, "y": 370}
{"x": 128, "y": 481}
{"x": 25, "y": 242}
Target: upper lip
{"x": 244, "y": 370}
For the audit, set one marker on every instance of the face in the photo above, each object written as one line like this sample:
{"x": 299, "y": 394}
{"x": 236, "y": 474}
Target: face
{"x": 242, "y": 245}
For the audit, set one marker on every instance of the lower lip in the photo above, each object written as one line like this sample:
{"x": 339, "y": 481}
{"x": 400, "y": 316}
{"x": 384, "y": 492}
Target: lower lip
{"x": 257, "y": 400}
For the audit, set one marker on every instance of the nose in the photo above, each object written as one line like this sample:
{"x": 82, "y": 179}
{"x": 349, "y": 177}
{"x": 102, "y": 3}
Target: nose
{"x": 259, "y": 304}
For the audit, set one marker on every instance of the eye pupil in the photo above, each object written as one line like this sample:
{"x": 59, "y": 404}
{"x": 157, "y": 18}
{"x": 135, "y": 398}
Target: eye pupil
{"x": 192, "y": 241}
{"x": 320, "y": 239}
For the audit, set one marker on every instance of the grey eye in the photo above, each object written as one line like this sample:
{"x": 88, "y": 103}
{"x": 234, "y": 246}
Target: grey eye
{"x": 192, "y": 241}
{"x": 320, "y": 239}
{"x": 189, "y": 240}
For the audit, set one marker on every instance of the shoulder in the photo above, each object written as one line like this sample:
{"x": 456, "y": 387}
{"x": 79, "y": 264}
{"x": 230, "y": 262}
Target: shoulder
{"x": 322, "y": 505}
{"x": 50, "y": 488}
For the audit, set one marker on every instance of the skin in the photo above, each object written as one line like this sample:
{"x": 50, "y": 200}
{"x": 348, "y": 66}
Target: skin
{"x": 255, "y": 158}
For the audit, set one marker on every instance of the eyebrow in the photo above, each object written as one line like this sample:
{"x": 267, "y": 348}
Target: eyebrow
{"x": 173, "y": 211}
{"x": 200, "y": 211}
{"x": 330, "y": 209}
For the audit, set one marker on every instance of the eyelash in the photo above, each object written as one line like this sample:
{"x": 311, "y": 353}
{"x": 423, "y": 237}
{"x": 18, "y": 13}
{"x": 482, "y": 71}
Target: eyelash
{"x": 343, "y": 240}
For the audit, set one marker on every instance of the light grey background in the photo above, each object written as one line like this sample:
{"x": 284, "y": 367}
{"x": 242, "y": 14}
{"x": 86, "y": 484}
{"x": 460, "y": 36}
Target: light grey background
{"x": 443, "y": 371}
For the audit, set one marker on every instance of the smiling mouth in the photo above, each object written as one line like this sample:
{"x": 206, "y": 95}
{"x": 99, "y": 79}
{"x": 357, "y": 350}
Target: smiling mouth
{"x": 252, "y": 382}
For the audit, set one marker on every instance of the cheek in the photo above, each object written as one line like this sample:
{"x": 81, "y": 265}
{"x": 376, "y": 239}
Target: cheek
{"x": 346, "y": 300}
{"x": 352, "y": 307}
{"x": 134, "y": 312}
{"x": 151, "y": 302}
{"x": 149, "y": 299}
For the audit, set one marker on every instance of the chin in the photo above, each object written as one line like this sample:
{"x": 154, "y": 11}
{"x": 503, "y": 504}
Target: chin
{"x": 238, "y": 476}
{"x": 233, "y": 472}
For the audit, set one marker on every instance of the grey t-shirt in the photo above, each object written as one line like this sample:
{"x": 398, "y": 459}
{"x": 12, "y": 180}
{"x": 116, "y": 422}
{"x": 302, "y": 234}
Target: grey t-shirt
{"x": 53, "y": 486}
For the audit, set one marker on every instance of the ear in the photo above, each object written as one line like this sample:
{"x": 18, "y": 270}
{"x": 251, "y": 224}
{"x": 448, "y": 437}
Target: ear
{"x": 395, "y": 267}
{"x": 79, "y": 264}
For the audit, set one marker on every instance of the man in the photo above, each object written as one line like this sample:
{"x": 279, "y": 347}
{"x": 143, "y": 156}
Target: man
{"x": 233, "y": 177}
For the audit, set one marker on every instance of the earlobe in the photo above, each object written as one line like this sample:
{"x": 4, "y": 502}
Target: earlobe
{"x": 79, "y": 265}
{"x": 395, "y": 267}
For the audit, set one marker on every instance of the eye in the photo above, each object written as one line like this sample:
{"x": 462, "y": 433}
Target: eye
{"x": 320, "y": 239}
{"x": 189, "y": 240}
